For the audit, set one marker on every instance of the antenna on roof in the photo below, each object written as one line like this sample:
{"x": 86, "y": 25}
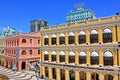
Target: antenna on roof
{"x": 79, "y": 6}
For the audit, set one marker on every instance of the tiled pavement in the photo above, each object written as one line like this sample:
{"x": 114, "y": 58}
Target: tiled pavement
{"x": 18, "y": 75}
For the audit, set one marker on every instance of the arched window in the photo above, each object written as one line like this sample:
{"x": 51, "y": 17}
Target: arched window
{"x": 53, "y": 56}
{"x": 82, "y": 37}
{"x": 82, "y": 57}
{"x": 108, "y": 77}
{"x": 94, "y": 58}
{"x": 72, "y": 75}
{"x": 46, "y": 72}
{"x": 53, "y": 39}
{"x": 46, "y": 57}
{"x": 94, "y": 36}
{"x": 23, "y": 52}
{"x": 62, "y": 38}
{"x": 54, "y": 73}
{"x": 62, "y": 56}
{"x": 46, "y": 40}
{"x": 107, "y": 35}
{"x": 23, "y": 40}
{"x": 71, "y": 38}
{"x": 108, "y": 58}
{"x": 71, "y": 57}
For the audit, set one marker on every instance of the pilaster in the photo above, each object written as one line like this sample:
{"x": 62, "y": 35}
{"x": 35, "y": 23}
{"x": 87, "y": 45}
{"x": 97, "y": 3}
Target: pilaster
{"x": 66, "y": 57}
{"x": 113, "y": 34}
{"x": 115, "y": 58}
{"x": 67, "y": 75}
{"x": 100, "y": 36}
{"x": 101, "y": 76}
{"x": 57, "y": 39}
{"x": 50, "y": 72}
{"x": 119, "y": 57}
{"x": 101, "y": 58}
{"x": 57, "y": 56}
{"x": 66, "y": 38}
{"x": 88, "y": 75}
{"x": 76, "y": 57}
{"x": 58, "y": 74}
{"x": 88, "y": 57}
{"x": 77, "y": 76}
{"x": 116, "y": 77}
{"x": 76, "y": 37}
{"x": 49, "y": 39}
{"x": 49, "y": 54}
{"x": 118, "y": 33}
{"x": 87, "y": 36}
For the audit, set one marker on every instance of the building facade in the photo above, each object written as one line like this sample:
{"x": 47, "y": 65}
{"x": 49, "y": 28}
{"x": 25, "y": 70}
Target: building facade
{"x": 87, "y": 50}
{"x": 35, "y": 25}
{"x": 80, "y": 15}
{"x": 21, "y": 50}
{"x": 1, "y": 50}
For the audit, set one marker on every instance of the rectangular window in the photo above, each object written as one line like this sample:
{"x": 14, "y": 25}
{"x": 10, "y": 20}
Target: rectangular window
{"x": 30, "y": 52}
{"x": 38, "y": 41}
{"x": 38, "y": 51}
{"x": 30, "y": 41}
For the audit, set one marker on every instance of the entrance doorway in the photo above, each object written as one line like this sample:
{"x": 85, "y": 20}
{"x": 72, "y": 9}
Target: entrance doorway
{"x": 23, "y": 65}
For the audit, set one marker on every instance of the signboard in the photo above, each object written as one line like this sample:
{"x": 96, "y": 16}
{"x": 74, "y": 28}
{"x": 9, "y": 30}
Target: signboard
{"x": 17, "y": 53}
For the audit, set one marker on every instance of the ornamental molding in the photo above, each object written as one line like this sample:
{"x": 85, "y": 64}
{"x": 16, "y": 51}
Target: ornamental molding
{"x": 81, "y": 27}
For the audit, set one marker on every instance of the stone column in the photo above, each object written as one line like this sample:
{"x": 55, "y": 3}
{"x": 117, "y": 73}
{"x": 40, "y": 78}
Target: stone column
{"x": 42, "y": 55}
{"x": 119, "y": 57}
{"x": 49, "y": 39}
{"x": 76, "y": 37}
{"x": 88, "y": 76}
{"x": 66, "y": 57}
{"x": 87, "y": 36}
{"x": 57, "y": 39}
{"x": 118, "y": 33}
{"x": 58, "y": 74}
{"x": 101, "y": 58}
{"x": 115, "y": 58}
{"x": 49, "y": 54}
{"x": 76, "y": 57}
{"x": 100, "y": 36}
{"x": 67, "y": 75}
{"x": 50, "y": 72}
{"x": 116, "y": 77}
{"x": 42, "y": 40}
{"x": 101, "y": 76}
{"x": 88, "y": 57}
{"x": 66, "y": 38}
{"x": 113, "y": 34}
{"x": 57, "y": 56}
{"x": 42, "y": 70}
{"x": 77, "y": 76}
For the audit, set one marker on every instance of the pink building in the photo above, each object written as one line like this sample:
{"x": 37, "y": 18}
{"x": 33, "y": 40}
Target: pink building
{"x": 21, "y": 49}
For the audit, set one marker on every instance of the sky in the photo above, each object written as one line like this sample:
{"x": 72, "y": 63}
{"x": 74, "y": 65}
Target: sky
{"x": 19, "y": 13}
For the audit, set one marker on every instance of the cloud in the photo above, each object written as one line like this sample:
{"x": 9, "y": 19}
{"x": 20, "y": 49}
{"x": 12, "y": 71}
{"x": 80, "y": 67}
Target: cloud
{"x": 3, "y": 29}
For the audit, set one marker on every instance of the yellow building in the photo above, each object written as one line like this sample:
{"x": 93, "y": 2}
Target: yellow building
{"x": 87, "y": 50}
{"x": 1, "y": 50}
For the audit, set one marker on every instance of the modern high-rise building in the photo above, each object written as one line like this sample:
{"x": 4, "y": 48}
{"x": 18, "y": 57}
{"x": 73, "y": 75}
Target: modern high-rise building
{"x": 35, "y": 25}
{"x": 87, "y": 50}
{"x": 80, "y": 15}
